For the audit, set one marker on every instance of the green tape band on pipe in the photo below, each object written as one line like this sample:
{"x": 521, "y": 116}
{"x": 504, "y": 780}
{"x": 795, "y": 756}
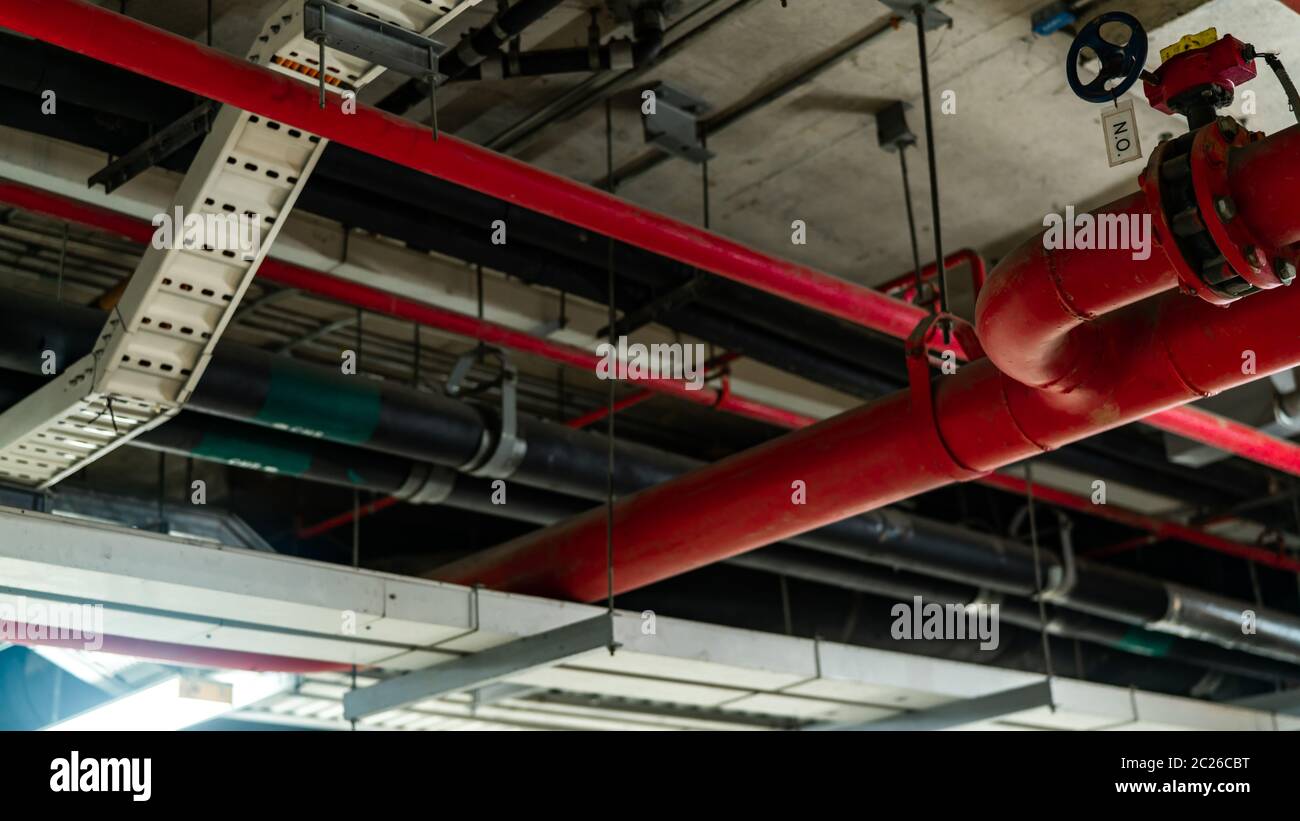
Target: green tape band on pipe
{"x": 250, "y": 453}
{"x": 310, "y": 404}
{"x": 1146, "y": 643}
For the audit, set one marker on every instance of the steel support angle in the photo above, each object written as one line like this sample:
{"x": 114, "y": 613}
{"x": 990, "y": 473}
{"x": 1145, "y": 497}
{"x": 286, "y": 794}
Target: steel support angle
{"x": 282, "y": 46}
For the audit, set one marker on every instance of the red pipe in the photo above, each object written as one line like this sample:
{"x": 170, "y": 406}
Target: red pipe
{"x": 1232, "y": 436}
{"x": 1036, "y": 320}
{"x": 135, "y": 46}
{"x": 182, "y": 653}
{"x": 121, "y": 41}
{"x": 1157, "y": 353}
{"x": 59, "y": 207}
{"x": 1285, "y": 453}
{"x": 1158, "y": 528}
{"x": 346, "y": 516}
{"x": 1190, "y": 422}
{"x": 907, "y": 282}
{"x": 600, "y": 413}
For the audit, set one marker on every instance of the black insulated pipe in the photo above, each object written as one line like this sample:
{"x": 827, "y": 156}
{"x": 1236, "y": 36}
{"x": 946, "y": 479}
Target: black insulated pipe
{"x": 252, "y": 447}
{"x": 252, "y": 385}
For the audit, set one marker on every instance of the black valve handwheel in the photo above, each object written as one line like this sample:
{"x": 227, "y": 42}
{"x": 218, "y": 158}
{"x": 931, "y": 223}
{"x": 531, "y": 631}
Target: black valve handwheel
{"x": 1118, "y": 63}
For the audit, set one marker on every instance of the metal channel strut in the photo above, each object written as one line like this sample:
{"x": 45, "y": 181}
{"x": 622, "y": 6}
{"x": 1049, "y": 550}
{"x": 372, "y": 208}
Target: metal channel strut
{"x": 487, "y": 667}
{"x": 959, "y": 713}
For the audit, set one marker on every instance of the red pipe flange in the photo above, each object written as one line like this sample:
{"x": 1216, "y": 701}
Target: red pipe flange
{"x": 1244, "y": 253}
{"x": 922, "y": 391}
{"x": 1189, "y": 282}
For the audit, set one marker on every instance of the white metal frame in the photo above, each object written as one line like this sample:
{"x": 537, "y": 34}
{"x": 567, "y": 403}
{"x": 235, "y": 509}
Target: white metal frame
{"x": 167, "y": 589}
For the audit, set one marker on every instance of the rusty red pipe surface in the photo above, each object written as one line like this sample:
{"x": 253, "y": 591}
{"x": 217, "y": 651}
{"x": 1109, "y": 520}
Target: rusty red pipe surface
{"x": 1154, "y": 353}
{"x": 113, "y": 38}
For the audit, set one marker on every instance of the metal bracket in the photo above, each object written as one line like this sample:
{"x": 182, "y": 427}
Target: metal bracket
{"x": 157, "y": 148}
{"x": 1061, "y": 580}
{"x": 892, "y": 131}
{"x": 427, "y": 485}
{"x": 374, "y": 41}
{"x": 480, "y": 669}
{"x": 933, "y": 18}
{"x": 497, "y": 462}
{"x": 991, "y": 707}
{"x": 674, "y": 126}
{"x": 922, "y": 391}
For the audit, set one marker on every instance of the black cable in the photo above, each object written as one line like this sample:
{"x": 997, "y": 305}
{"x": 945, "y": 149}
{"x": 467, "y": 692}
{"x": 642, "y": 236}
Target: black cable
{"x": 704, "y": 175}
{"x": 1038, "y": 573}
{"x": 934, "y": 172}
{"x": 911, "y": 221}
{"x": 609, "y": 479}
{"x": 356, "y": 560}
{"x": 162, "y": 491}
{"x": 415, "y": 364}
{"x": 1292, "y": 96}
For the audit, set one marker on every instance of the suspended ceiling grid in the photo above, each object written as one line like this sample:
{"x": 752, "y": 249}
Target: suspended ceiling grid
{"x": 166, "y": 589}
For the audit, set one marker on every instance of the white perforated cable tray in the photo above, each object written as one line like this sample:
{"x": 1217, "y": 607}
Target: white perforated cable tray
{"x": 157, "y": 341}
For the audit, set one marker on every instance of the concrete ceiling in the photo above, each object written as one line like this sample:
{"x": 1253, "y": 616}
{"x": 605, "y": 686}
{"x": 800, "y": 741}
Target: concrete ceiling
{"x": 1019, "y": 146}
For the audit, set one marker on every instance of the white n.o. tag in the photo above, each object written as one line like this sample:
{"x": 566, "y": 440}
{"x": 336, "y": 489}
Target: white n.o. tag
{"x": 1120, "y": 125}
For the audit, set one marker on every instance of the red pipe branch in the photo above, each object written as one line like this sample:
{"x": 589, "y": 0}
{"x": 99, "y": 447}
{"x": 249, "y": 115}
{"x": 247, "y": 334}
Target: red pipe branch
{"x": 113, "y": 38}
{"x": 1158, "y": 353}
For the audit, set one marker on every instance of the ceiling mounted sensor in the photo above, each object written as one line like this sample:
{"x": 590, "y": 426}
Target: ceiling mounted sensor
{"x": 672, "y": 122}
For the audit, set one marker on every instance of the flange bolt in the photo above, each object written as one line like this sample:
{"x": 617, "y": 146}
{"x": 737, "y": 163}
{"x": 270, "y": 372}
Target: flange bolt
{"x": 1226, "y": 208}
{"x": 1285, "y": 270}
{"x": 1253, "y": 259}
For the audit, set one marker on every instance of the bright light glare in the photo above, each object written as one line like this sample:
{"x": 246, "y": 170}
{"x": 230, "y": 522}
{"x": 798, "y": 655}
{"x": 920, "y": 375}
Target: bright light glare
{"x": 161, "y": 706}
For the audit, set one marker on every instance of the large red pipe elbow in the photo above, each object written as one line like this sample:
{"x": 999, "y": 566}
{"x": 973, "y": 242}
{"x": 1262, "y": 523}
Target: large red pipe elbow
{"x": 1036, "y": 314}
